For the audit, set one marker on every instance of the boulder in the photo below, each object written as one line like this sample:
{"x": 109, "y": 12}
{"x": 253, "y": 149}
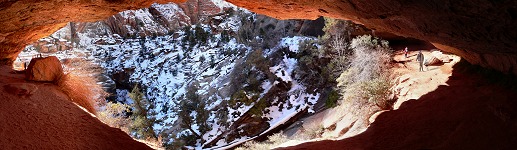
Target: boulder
{"x": 433, "y": 61}
{"x": 441, "y": 56}
{"x": 44, "y": 69}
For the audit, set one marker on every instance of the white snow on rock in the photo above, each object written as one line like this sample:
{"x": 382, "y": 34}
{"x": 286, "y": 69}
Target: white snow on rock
{"x": 165, "y": 66}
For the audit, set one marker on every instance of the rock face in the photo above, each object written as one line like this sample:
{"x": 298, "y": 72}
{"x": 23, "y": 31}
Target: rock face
{"x": 24, "y": 22}
{"x": 161, "y": 19}
{"x": 44, "y": 69}
{"x": 199, "y": 10}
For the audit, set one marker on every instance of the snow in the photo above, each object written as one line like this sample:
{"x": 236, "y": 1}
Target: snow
{"x": 285, "y": 69}
{"x": 166, "y": 66}
{"x": 223, "y": 4}
{"x": 293, "y": 42}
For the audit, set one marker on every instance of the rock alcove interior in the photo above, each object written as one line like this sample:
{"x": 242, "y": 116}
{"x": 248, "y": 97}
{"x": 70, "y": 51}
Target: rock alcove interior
{"x": 481, "y": 32}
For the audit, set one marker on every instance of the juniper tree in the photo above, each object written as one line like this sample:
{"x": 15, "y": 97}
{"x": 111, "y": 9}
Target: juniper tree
{"x": 142, "y": 126}
{"x": 192, "y": 102}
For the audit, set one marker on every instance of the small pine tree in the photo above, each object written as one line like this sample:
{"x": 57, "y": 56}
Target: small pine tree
{"x": 225, "y": 37}
{"x": 222, "y": 114}
{"x": 201, "y": 34}
{"x": 142, "y": 126}
{"x": 193, "y": 102}
{"x": 212, "y": 61}
{"x": 202, "y": 58}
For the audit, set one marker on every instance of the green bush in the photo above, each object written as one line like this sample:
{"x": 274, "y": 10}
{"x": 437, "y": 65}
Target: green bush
{"x": 377, "y": 92}
{"x": 332, "y": 99}
{"x": 241, "y": 97}
{"x": 258, "y": 108}
{"x": 142, "y": 127}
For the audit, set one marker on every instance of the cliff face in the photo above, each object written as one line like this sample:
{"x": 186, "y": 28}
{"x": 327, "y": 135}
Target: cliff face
{"x": 199, "y": 10}
{"x": 26, "y": 21}
{"x": 161, "y": 19}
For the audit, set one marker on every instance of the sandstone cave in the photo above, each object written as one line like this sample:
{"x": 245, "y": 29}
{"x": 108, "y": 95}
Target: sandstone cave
{"x": 467, "y": 102}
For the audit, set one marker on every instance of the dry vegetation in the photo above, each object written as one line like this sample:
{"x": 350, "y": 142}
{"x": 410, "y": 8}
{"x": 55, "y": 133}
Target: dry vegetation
{"x": 367, "y": 78}
{"x": 363, "y": 85}
{"x": 273, "y": 140}
{"x": 80, "y": 83}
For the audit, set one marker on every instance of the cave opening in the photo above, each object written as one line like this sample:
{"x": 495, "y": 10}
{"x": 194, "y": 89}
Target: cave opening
{"x": 207, "y": 74}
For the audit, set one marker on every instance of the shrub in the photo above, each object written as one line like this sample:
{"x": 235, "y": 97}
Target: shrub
{"x": 142, "y": 126}
{"x": 332, "y": 99}
{"x": 273, "y": 140}
{"x": 367, "y": 77}
{"x": 377, "y": 91}
{"x": 80, "y": 84}
{"x": 115, "y": 115}
{"x": 336, "y": 27}
{"x": 202, "y": 58}
{"x": 309, "y": 131}
{"x": 339, "y": 51}
{"x": 369, "y": 60}
{"x": 241, "y": 97}
{"x": 314, "y": 65}
{"x": 258, "y": 108}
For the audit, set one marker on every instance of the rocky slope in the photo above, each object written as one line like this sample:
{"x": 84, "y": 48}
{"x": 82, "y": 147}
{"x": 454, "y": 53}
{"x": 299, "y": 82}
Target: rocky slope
{"x": 161, "y": 19}
{"x": 24, "y": 22}
{"x": 220, "y": 58}
{"x": 449, "y": 106}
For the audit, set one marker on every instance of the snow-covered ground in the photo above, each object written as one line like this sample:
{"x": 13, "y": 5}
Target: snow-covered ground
{"x": 166, "y": 66}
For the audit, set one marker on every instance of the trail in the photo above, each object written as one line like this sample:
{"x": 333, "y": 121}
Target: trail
{"x": 451, "y": 106}
{"x": 411, "y": 84}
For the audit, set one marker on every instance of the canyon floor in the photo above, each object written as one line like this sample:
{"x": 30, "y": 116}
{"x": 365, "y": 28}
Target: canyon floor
{"x": 451, "y": 106}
